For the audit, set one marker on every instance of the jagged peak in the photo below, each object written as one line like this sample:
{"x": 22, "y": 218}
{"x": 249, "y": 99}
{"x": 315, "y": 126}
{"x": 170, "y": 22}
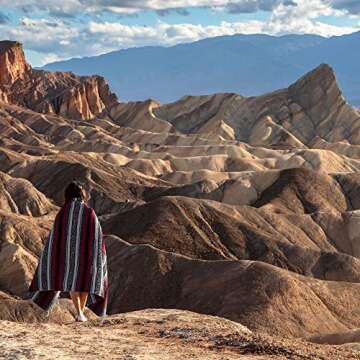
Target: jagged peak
{"x": 13, "y": 65}
{"x": 321, "y": 71}
{"x": 323, "y": 74}
{"x": 319, "y": 84}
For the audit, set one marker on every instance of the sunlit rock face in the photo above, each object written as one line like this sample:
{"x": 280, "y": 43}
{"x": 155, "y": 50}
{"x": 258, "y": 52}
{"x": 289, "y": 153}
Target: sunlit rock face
{"x": 58, "y": 93}
{"x": 13, "y": 65}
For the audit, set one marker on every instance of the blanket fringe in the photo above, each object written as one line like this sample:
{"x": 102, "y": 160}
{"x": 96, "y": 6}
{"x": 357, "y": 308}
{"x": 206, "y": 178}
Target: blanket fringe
{"x": 103, "y": 315}
{"x": 54, "y": 302}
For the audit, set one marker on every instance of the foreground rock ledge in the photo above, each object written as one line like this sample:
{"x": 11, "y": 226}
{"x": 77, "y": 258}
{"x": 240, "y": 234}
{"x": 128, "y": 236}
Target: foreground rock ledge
{"x": 154, "y": 334}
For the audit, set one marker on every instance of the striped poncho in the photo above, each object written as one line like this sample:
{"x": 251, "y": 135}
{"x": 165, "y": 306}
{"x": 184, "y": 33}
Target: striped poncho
{"x": 73, "y": 259}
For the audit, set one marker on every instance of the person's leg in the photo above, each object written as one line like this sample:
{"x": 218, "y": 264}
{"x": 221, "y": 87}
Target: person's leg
{"x": 77, "y": 300}
{"x": 83, "y": 299}
{"x": 75, "y": 297}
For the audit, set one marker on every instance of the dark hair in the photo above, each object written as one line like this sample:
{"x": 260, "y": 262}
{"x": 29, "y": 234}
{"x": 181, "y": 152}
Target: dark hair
{"x": 74, "y": 190}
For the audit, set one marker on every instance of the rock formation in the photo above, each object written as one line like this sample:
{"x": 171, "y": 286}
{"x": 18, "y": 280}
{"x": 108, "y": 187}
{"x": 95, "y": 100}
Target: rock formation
{"x": 64, "y": 94}
{"x": 312, "y": 107}
{"x": 244, "y": 208}
{"x": 13, "y": 66}
{"x": 249, "y": 291}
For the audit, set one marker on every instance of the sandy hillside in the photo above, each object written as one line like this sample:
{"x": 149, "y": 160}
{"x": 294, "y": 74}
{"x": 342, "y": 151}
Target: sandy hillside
{"x": 245, "y": 208}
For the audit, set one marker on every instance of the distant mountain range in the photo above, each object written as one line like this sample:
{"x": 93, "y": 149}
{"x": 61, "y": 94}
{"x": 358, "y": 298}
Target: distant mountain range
{"x": 245, "y": 64}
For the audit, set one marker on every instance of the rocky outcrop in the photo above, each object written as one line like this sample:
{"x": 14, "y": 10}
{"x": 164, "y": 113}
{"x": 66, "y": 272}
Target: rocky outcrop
{"x": 207, "y": 230}
{"x": 13, "y": 65}
{"x": 311, "y": 108}
{"x": 68, "y": 95}
{"x": 140, "y": 115}
{"x": 18, "y": 310}
{"x": 20, "y": 197}
{"x": 65, "y": 94}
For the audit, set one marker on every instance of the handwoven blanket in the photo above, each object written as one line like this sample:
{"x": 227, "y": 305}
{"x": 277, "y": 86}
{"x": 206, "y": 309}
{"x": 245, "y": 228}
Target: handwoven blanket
{"x": 73, "y": 259}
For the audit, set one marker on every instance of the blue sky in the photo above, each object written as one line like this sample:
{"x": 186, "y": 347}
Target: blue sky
{"x": 52, "y": 30}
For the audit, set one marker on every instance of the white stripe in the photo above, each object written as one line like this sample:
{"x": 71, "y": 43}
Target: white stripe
{"x": 95, "y": 255}
{"x": 33, "y": 298}
{"x": 68, "y": 242}
{"x": 76, "y": 268}
{"x": 51, "y": 237}
{"x": 102, "y": 274}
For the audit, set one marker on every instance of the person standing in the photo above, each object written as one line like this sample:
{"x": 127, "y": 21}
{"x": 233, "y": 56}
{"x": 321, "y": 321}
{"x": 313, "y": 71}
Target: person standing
{"x": 73, "y": 259}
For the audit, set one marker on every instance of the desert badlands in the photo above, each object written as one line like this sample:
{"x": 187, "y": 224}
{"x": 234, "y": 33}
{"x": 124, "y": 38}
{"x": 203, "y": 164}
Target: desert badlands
{"x": 232, "y": 223}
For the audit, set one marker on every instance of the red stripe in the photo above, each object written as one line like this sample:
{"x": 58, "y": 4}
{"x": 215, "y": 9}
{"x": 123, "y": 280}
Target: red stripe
{"x": 82, "y": 254}
{"x": 91, "y": 256}
{"x": 62, "y": 248}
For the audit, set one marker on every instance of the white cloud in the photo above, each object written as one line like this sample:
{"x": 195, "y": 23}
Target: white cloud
{"x": 57, "y": 39}
{"x": 301, "y": 19}
{"x": 49, "y": 58}
{"x": 76, "y": 7}
{"x": 40, "y": 34}
{"x": 70, "y": 7}
{"x": 168, "y": 34}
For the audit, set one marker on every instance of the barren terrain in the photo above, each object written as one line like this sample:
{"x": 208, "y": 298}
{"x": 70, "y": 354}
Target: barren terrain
{"x": 242, "y": 208}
